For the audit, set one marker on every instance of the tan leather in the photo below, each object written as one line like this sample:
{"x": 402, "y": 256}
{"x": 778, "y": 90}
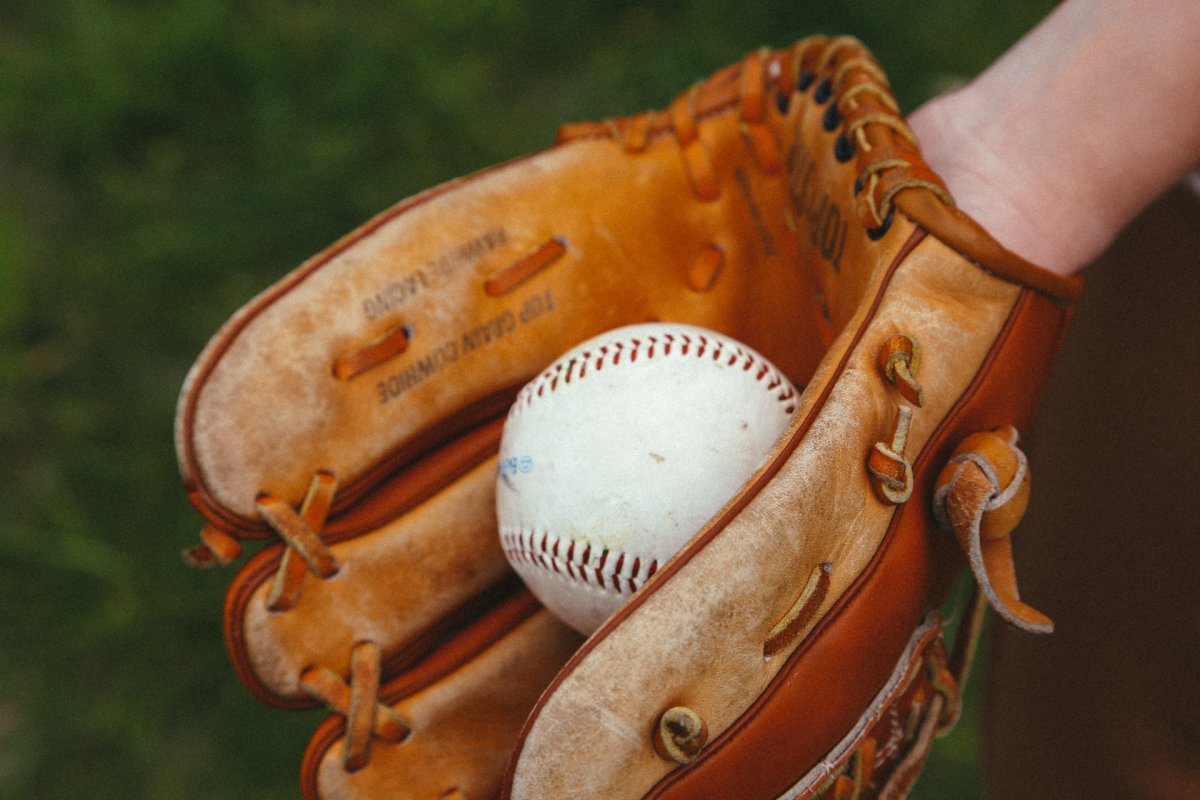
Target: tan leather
{"x": 981, "y": 496}
{"x": 428, "y": 563}
{"x": 386, "y": 361}
{"x": 782, "y": 202}
{"x": 257, "y": 411}
{"x": 813, "y": 503}
{"x": 463, "y": 707}
{"x": 694, "y": 635}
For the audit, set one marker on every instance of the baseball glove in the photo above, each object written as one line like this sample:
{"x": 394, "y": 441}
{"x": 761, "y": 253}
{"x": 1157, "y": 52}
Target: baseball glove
{"x": 350, "y": 415}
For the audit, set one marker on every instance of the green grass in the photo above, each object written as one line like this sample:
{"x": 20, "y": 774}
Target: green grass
{"x": 160, "y": 162}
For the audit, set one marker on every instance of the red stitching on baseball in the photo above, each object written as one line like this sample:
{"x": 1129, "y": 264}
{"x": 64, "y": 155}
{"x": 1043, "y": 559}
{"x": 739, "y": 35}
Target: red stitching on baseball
{"x": 542, "y": 551}
{"x": 538, "y": 549}
{"x": 611, "y": 354}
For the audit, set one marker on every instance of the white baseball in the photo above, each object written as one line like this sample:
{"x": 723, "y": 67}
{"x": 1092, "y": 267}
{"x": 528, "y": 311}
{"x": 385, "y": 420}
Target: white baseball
{"x": 620, "y": 452}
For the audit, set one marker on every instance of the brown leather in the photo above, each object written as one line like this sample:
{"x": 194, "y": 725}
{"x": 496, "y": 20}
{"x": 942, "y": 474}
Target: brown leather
{"x": 253, "y": 411}
{"x": 981, "y": 496}
{"x": 887, "y": 744}
{"x": 387, "y": 361}
{"x": 801, "y": 222}
{"x": 847, "y": 655}
{"x": 463, "y": 703}
{"x": 967, "y": 237}
{"x": 993, "y": 343}
{"x": 436, "y": 562}
{"x": 237, "y": 417}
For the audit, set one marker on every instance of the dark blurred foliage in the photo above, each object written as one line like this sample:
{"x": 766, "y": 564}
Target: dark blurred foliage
{"x": 160, "y": 162}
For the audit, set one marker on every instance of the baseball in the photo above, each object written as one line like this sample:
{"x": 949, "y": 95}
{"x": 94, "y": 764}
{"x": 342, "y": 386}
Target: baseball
{"x": 620, "y": 452}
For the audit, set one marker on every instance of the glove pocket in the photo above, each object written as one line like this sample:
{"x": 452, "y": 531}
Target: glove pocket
{"x": 749, "y": 656}
{"x": 419, "y": 326}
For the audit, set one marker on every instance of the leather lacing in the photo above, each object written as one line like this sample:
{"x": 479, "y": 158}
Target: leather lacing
{"x": 395, "y": 340}
{"x": 306, "y": 552}
{"x": 890, "y": 469}
{"x": 886, "y": 764}
{"x": 860, "y": 98}
{"x": 357, "y": 699}
{"x": 981, "y": 496}
{"x": 384, "y": 347}
{"x": 682, "y": 119}
{"x": 216, "y": 548}
{"x": 300, "y": 531}
{"x": 757, "y": 71}
{"x": 789, "y": 627}
{"x": 860, "y": 105}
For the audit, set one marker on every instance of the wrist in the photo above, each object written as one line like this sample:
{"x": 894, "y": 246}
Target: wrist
{"x": 1033, "y": 202}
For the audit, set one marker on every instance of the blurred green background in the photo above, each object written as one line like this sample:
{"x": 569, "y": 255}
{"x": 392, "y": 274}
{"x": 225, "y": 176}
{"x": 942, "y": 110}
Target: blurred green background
{"x": 160, "y": 162}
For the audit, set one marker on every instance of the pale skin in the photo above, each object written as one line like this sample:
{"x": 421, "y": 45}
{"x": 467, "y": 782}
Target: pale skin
{"x": 1073, "y": 131}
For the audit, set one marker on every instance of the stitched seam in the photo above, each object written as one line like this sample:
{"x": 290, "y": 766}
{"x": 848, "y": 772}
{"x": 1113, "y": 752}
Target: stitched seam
{"x": 603, "y": 570}
{"x": 610, "y": 571}
{"x": 630, "y": 350}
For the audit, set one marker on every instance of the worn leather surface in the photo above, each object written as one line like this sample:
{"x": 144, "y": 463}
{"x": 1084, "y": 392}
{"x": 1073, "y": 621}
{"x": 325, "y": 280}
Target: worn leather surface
{"x": 258, "y": 411}
{"x": 245, "y": 427}
{"x": 425, "y": 563}
{"x": 409, "y": 440}
{"x": 464, "y": 720}
{"x": 717, "y": 597}
{"x": 694, "y": 635}
{"x": 779, "y": 202}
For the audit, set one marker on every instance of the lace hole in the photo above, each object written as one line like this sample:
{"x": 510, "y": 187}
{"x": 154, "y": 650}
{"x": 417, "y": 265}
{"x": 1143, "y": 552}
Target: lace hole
{"x": 824, "y": 91}
{"x": 804, "y": 81}
{"x": 843, "y": 151}
{"x": 858, "y": 185}
{"x": 875, "y": 234}
{"x": 782, "y": 101}
{"x": 832, "y": 118}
